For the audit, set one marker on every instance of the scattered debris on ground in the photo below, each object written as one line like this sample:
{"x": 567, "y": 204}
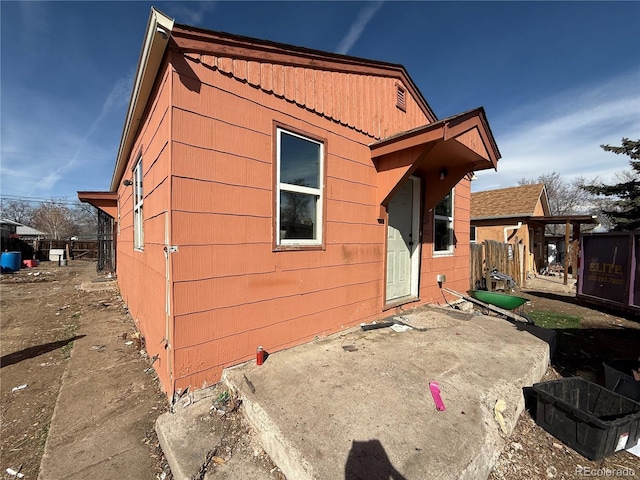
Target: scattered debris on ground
{"x": 41, "y": 312}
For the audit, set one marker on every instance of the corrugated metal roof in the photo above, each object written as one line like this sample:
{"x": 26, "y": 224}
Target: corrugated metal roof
{"x": 4, "y": 221}
{"x": 24, "y": 230}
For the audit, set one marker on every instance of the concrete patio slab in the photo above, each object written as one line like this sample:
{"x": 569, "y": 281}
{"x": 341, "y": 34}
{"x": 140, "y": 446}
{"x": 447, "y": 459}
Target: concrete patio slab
{"x": 358, "y": 406}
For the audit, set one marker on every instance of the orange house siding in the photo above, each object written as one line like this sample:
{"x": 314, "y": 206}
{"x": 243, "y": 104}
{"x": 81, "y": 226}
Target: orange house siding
{"x": 208, "y": 149}
{"x": 455, "y": 266}
{"x": 360, "y": 101}
{"x": 143, "y": 286}
{"x": 231, "y": 291}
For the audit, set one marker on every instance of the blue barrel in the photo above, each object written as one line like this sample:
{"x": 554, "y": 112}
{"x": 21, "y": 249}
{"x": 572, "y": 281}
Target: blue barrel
{"x": 11, "y": 261}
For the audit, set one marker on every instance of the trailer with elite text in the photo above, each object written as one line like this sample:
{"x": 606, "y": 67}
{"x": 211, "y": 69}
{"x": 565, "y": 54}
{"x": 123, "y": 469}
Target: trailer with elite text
{"x": 609, "y": 273}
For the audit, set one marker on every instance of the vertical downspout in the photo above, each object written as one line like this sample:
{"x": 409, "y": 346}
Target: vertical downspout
{"x": 171, "y": 319}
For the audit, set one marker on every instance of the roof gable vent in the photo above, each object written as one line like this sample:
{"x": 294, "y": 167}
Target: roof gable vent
{"x": 401, "y": 98}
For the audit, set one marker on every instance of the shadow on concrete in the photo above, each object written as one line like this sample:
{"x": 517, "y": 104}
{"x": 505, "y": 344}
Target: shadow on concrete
{"x": 30, "y": 352}
{"x": 545, "y": 334}
{"x": 369, "y": 461}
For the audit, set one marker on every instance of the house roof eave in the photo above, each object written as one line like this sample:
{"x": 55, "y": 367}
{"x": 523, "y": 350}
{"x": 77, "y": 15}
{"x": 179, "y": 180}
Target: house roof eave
{"x": 524, "y": 217}
{"x": 560, "y": 219}
{"x": 441, "y": 130}
{"x": 458, "y": 145}
{"x": 105, "y": 201}
{"x": 198, "y": 40}
{"x": 159, "y": 28}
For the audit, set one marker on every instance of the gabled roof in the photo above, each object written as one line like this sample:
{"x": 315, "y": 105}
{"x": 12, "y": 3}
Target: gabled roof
{"x": 509, "y": 202}
{"x": 199, "y": 40}
{"x": 163, "y": 33}
{"x": 155, "y": 43}
{"x": 461, "y": 143}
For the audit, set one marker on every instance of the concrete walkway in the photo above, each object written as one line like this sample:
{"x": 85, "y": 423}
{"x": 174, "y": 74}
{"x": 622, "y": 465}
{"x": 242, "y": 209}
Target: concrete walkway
{"x": 358, "y": 406}
{"x": 550, "y": 283}
{"x": 106, "y": 402}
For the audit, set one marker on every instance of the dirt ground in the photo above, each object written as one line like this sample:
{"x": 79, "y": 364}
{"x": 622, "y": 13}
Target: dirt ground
{"x": 42, "y": 310}
{"x": 42, "y": 314}
{"x": 531, "y": 451}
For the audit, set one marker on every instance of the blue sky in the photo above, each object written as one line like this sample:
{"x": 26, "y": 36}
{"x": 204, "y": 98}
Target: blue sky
{"x": 557, "y": 79}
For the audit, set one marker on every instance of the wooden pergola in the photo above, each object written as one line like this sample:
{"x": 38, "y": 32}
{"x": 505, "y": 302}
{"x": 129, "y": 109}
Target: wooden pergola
{"x": 572, "y": 224}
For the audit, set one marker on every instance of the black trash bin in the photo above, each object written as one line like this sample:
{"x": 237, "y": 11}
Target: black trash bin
{"x": 587, "y": 417}
{"x": 618, "y": 377}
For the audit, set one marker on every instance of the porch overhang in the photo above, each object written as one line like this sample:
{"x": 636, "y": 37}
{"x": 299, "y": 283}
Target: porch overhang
{"x": 449, "y": 149}
{"x": 563, "y": 219}
{"x": 571, "y": 222}
{"x": 105, "y": 201}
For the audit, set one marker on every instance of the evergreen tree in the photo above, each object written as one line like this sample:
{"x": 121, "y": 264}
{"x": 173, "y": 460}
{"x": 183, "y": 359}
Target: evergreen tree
{"x": 625, "y": 207}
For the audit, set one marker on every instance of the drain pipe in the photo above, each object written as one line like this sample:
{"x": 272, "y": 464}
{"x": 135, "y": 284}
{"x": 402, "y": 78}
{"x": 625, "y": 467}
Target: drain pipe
{"x": 512, "y": 227}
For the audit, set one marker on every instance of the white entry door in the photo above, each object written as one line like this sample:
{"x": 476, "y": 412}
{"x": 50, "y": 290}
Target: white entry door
{"x": 403, "y": 242}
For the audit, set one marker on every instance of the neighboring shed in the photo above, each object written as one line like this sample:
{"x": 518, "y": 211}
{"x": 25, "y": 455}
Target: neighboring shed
{"x": 29, "y": 234}
{"x": 505, "y": 214}
{"x": 265, "y": 194}
{"x": 521, "y": 214}
{"x": 7, "y": 231}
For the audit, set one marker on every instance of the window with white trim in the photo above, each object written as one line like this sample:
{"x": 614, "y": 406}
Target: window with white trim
{"x": 138, "y": 217}
{"x": 443, "y": 226}
{"x": 472, "y": 234}
{"x": 299, "y": 183}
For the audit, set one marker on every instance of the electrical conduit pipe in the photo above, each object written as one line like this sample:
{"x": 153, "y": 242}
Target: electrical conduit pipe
{"x": 512, "y": 227}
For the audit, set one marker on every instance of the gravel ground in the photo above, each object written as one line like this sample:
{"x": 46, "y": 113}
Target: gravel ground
{"x": 531, "y": 452}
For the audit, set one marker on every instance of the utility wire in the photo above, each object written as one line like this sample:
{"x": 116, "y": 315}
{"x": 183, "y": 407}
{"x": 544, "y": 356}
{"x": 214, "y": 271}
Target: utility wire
{"x": 4, "y": 199}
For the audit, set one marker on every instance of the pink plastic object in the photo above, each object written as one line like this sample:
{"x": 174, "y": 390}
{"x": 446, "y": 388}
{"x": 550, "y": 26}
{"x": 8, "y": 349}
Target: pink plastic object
{"x": 435, "y": 393}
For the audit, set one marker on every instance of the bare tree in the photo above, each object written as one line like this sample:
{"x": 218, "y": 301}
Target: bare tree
{"x": 53, "y": 218}
{"x": 565, "y": 197}
{"x": 84, "y": 218}
{"x": 20, "y": 211}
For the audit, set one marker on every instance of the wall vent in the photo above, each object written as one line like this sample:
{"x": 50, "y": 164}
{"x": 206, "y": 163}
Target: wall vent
{"x": 401, "y": 98}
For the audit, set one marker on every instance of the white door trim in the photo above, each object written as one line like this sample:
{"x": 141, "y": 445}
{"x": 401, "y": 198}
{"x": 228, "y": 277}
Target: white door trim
{"x": 414, "y": 250}
{"x": 415, "y": 235}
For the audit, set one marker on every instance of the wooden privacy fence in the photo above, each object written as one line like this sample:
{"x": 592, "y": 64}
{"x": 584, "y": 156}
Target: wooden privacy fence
{"x": 78, "y": 250}
{"x": 506, "y": 258}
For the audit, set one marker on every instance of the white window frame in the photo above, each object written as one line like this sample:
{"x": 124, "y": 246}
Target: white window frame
{"x": 473, "y": 234}
{"x": 450, "y": 220}
{"x": 138, "y": 213}
{"x": 287, "y": 187}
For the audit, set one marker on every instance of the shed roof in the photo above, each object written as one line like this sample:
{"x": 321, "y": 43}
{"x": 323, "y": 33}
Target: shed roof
{"x": 24, "y": 230}
{"x": 509, "y": 202}
{"x": 5, "y": 221}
